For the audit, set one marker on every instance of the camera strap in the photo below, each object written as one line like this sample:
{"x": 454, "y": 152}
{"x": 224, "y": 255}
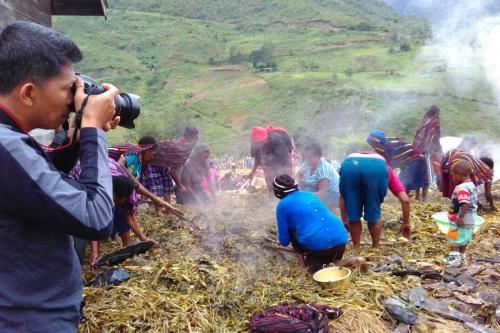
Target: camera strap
{"x": 79, "y": 113}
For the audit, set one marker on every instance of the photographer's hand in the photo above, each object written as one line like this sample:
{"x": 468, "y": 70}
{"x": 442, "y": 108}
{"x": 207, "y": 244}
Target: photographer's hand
{"x": 100, "y": 109}
{"x": 112, "y": 124}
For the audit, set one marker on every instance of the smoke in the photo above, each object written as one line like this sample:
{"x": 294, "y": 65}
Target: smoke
{"x": 235, "y": 228}
{"x": 467, "y": 37}
{"x": 492, "y": 150}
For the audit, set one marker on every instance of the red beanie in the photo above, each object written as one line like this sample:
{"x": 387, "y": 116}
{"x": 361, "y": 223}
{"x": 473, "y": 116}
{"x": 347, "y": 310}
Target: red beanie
{"x": 258, "y": 134}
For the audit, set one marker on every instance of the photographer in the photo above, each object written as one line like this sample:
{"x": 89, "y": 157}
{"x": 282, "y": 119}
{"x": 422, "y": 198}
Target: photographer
{"x": 42, "y": 207}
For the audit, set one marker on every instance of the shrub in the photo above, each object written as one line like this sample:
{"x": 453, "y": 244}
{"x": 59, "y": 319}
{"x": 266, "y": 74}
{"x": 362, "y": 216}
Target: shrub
{"x": 349, "y": 72}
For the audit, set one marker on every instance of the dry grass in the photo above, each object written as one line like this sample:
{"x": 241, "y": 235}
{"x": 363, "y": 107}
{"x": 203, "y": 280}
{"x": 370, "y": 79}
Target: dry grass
{"x": 212, "y": 274}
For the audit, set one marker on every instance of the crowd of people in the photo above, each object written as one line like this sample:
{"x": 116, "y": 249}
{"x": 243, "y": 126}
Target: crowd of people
{"x": 359, "y": 187}
{"x": 78, "y": 190}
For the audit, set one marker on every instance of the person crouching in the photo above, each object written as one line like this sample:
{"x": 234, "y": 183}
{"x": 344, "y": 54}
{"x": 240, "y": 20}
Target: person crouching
{"x": 316, "y": 234}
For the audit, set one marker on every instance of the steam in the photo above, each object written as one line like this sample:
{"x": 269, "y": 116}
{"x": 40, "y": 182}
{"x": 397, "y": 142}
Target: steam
{"x": 467, "y": 38}
{"x": 235, "y": 228}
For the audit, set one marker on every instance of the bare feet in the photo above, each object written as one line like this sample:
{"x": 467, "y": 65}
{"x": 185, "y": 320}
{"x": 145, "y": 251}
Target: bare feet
{"x": 353, "y": 262}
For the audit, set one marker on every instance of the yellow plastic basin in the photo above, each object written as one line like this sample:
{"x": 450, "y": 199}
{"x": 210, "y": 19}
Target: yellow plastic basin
{"x": 333, "y": 277}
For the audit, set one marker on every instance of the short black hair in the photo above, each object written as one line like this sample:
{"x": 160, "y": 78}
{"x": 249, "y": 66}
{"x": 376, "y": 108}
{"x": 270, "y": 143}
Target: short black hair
{"x": 315, "y": 148}
{"x": 122, "y": 186}
{"x": 147, "y": 140}
{"x": 191, "y": 131}
{"x": 488, "y": 161}
{"x": 30, "y": 50}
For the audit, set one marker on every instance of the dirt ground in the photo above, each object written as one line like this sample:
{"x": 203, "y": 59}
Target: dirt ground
{"x": 212, "y": 272}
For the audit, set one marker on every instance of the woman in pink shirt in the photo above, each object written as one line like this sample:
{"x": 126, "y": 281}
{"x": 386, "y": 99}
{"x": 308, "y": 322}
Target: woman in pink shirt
{"x": 364, "y": 179}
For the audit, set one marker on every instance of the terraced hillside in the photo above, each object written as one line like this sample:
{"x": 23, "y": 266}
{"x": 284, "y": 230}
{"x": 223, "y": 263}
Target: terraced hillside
{"x": 342, "y": 68}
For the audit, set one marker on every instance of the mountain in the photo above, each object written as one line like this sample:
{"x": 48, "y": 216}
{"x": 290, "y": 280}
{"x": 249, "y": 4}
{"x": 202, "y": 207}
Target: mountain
{"x": 332, "y": 70}
{"x": 256, "y": 13}
{"x": 436, "y": 10}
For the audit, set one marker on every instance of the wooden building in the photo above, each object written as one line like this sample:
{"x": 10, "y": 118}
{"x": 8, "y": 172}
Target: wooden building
{"x": 41, "y": 11}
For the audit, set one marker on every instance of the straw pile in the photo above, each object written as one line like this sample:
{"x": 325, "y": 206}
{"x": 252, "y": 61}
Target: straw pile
{"x": 212, "y": 274}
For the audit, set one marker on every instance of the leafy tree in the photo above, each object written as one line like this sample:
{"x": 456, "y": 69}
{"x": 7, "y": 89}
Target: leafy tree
{"x": 404, "y": 46}
{"x": 254, "y": 57}
{"x": 262, "y": 55}
{"x": 236, "y": 57}
{"x": 349, "y": 72}
{"x": 266, "y": 51}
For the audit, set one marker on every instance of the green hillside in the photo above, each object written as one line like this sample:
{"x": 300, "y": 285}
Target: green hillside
{"x": 253, "y": 14}
{"x": 344, "y": 67}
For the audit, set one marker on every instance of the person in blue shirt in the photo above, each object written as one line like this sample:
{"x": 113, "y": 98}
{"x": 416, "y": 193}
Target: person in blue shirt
{"x": 318, "y": 237}
{"x": 319, "y": 176}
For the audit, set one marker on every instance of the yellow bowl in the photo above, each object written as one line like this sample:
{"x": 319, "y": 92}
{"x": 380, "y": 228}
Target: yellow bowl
{"x": 333, "y": 277}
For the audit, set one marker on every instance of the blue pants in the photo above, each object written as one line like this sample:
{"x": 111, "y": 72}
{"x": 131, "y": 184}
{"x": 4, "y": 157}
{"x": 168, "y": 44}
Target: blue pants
{"x": 363, "y": 185}
{"x": 120, "y": 223}
{"x": 413, "y": 175}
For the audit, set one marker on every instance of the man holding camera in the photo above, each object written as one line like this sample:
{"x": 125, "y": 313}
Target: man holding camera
{"x": 42, "y": 208}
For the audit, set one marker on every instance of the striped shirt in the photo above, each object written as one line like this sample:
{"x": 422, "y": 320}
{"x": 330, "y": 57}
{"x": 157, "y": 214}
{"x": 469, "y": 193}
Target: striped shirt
{"x": 397, "y": 152}
{"x": 174, "y": 153}
{"x": 481, "y": 173}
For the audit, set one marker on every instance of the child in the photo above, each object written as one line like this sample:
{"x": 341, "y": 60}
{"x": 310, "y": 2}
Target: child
{"x": 463, "y": 209}
{"x": 123, "y": 187}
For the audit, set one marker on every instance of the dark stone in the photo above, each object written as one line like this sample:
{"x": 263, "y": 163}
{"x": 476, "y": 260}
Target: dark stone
{"x": 461, "y": 306}
{"x": 442, "y": 309}
{"x": 399, "y": 312}
{"x": 473, "y": 270}
{"x": 395, "y": 259}
{"x": 454, "y": 271}
{"x": 490, "y": 275}
{"x": 440, "y": 285}
{"x": 468, "y": 281}
{"x": 442, "y": 293}
{"x": 112, "y": 276}
{"x": 468, "y": 299}
{"x": 450, "y": 278}
{"x": 382, "y": 268}
{"x": 479, "y": 329}
{"x": 491, "y": 297}
{"x": 417, "y": 296}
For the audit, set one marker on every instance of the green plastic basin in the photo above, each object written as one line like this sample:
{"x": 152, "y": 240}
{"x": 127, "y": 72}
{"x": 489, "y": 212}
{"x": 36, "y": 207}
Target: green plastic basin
{"x": 441, "y": 219}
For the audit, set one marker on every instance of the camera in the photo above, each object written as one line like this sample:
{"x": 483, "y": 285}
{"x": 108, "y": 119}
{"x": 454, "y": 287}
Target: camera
{"x": 126, "y": 105}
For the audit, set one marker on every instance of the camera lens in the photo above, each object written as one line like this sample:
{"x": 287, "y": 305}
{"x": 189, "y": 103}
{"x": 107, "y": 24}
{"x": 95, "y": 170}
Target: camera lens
{"x": 127, "y": 107}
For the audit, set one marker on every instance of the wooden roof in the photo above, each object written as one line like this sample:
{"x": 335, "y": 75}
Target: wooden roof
{"x": 40, "y": 11}
{"x": 79, "y": 7}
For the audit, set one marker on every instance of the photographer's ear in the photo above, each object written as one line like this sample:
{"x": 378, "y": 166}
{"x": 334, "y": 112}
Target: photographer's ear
{"x": 79, "y": 94}
{"x": 27, "y": 93}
